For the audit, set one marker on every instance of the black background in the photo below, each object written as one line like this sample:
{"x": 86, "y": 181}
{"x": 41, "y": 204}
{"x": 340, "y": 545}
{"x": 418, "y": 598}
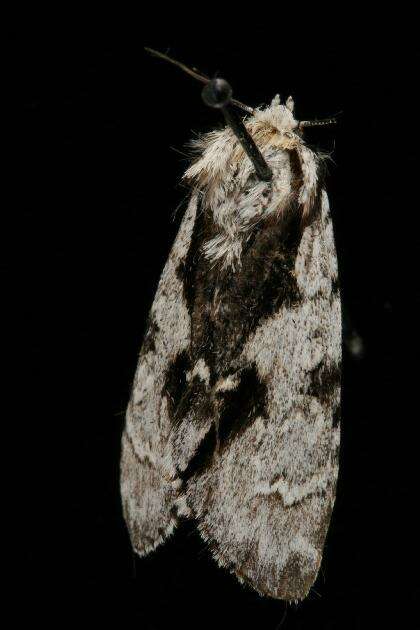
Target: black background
{"x": 97, "y": 191}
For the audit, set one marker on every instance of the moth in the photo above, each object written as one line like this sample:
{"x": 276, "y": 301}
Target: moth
{"x": 234, "y": 414}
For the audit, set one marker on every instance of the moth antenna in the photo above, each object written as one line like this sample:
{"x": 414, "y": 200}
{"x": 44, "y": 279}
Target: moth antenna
{"x": 195, "y": 74}
{"x": 318, "y": 123}
{"x": 217, "y": 93}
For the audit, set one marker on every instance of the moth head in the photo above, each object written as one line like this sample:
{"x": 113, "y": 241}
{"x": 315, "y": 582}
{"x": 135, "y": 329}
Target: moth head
{"x": 284, "y": 120}
{"x": 281, "y": 115}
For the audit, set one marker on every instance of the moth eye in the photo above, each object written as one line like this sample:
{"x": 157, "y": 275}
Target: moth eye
{"x": 297, "y": 129}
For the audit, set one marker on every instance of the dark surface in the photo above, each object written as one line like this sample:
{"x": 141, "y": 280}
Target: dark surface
{"x": 97, "y": 193}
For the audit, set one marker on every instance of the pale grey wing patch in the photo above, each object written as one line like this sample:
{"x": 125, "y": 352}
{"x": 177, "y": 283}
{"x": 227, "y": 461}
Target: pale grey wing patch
{"x": 264, "y": 502}
{"x": 188, "y": 437}
{"x": 147, "y": 499}
{"x": 316, "y": 263}
{"x": 260, "y": 524}
{"x": 147, "y": 467}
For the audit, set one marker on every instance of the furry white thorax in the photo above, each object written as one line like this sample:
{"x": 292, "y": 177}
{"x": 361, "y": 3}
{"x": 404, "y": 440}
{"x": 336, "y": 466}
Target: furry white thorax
{"x": 230, "y": 189}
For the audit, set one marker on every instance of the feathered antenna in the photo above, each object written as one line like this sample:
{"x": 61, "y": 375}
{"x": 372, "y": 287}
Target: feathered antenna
{"x": 318, "y": 123}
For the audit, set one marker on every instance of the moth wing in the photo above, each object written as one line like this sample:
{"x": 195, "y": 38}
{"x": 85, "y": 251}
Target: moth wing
{"x": 148, "y": 487}
{"x": 264, "y": 500}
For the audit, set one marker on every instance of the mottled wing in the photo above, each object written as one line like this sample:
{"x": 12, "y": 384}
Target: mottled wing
{"x": 147, "y": 473}
{"x": 266, "y": 357}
